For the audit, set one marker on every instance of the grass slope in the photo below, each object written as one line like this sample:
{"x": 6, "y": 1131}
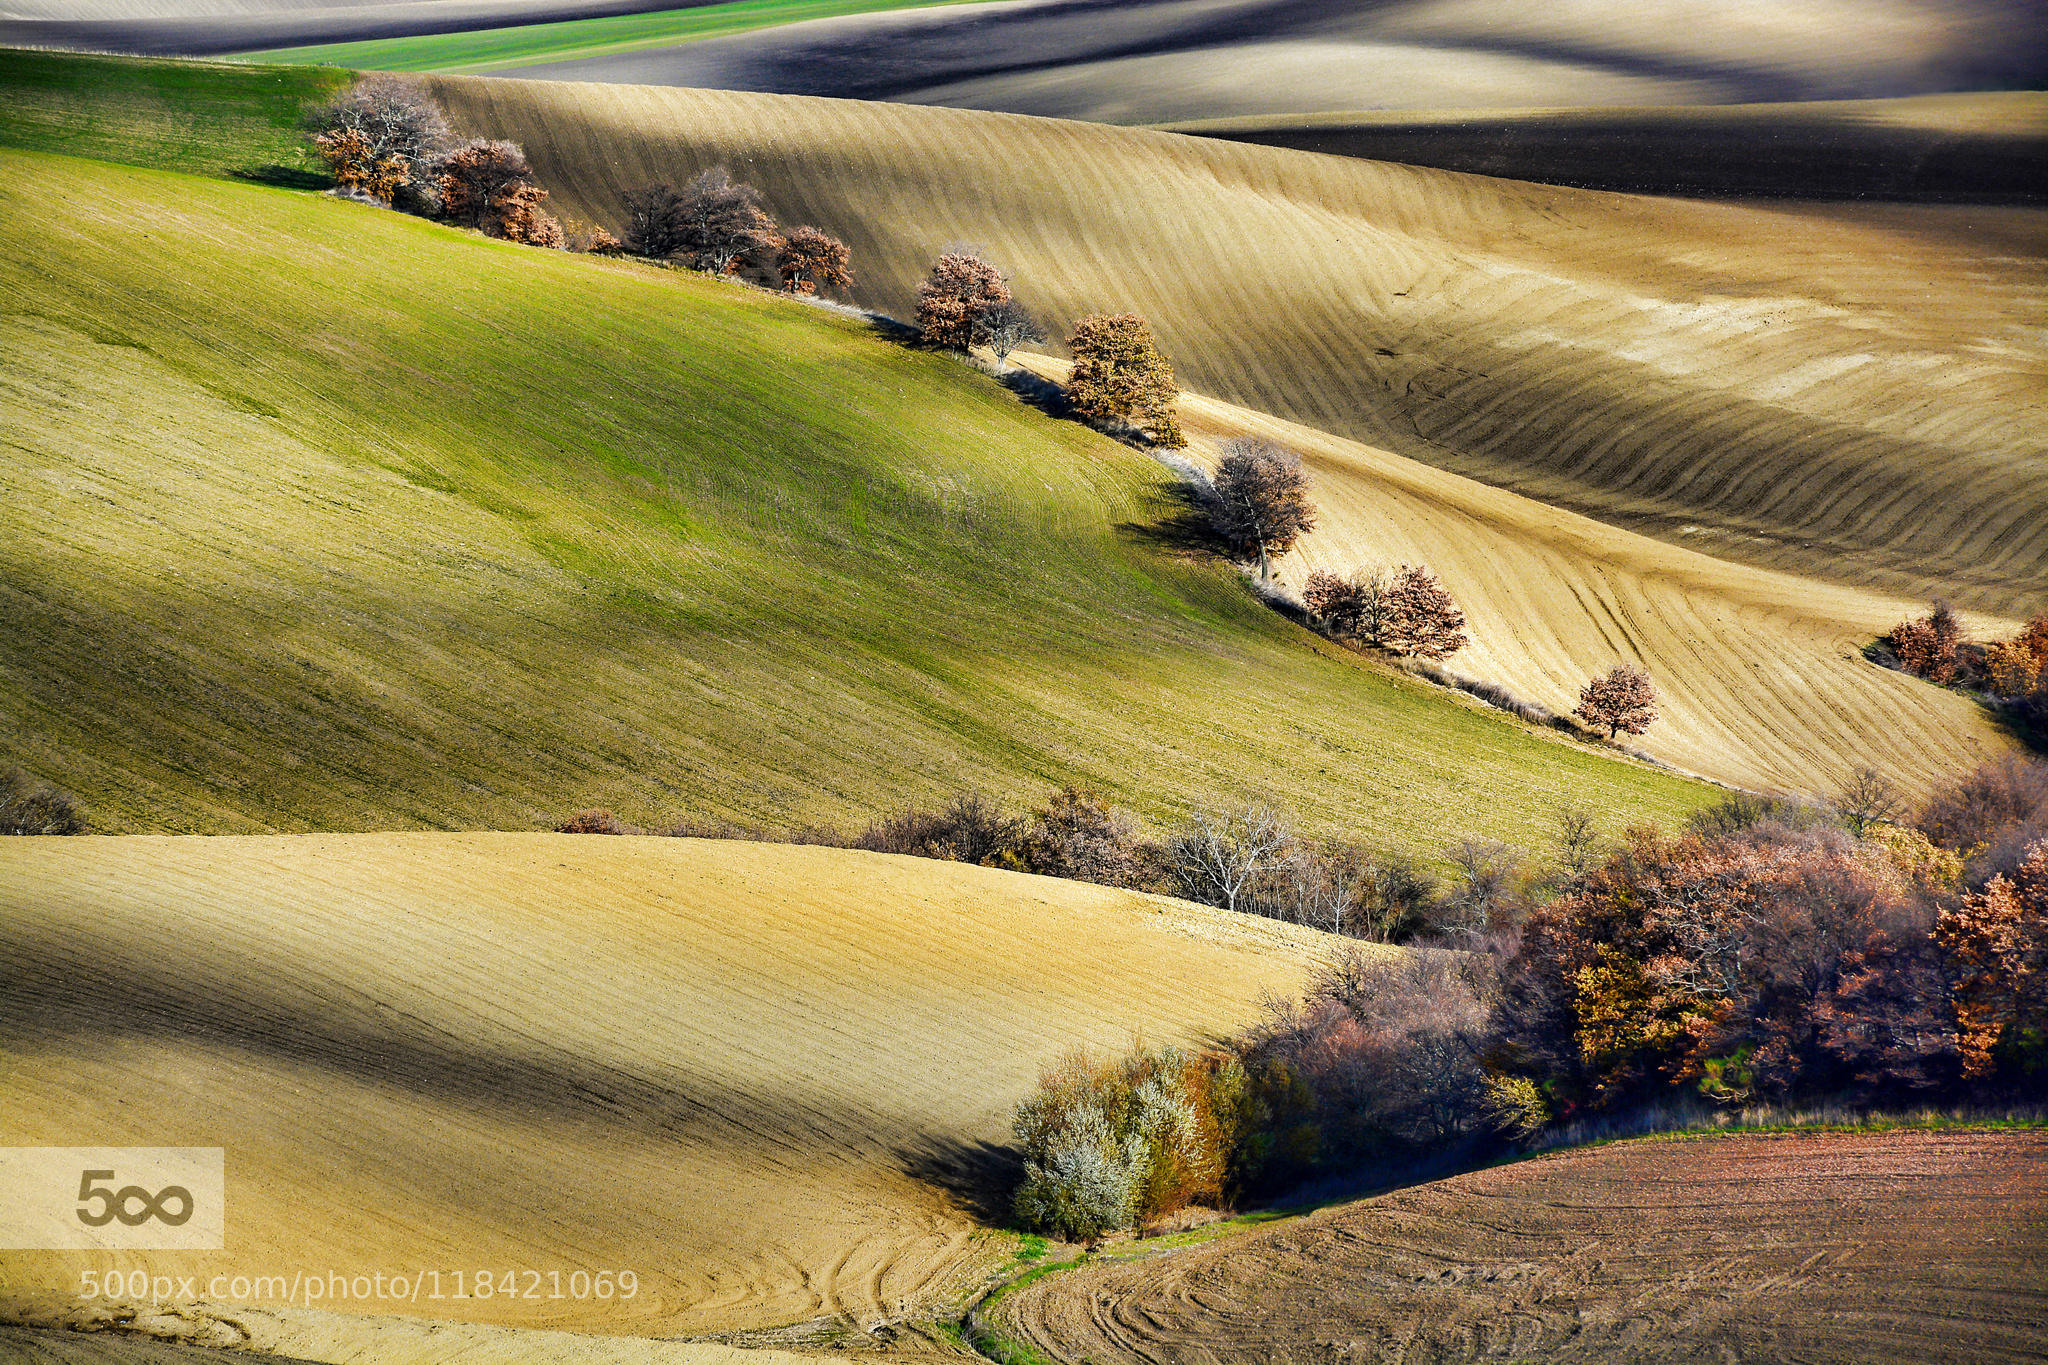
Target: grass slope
{"x": 1761, "y": 681}
{"x": 763, "y": 1078}
{"x": 494, "y": 49}
{"x": 1763, "y": 385}
{"x": 203, "y": 117}
{"x": 404, "y": 527}
{"x": 1836, "y": 1247}
{"x": 1975, "y": 148}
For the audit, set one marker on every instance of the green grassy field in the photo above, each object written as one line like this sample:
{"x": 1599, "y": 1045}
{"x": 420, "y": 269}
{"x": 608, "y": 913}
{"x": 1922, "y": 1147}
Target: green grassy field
{"x": 494, "y": 49}
{"x": 204, "y": 117}
{"x": 321, "y": 517}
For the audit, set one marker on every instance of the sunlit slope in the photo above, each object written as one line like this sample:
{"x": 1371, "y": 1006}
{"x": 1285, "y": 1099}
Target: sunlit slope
{"x": 322, "y": 517}
{"x": 1861, "y": 401}
{"x": 1962, "y": 148}
{"x": 763, "y": 1078}
{"x": 1760, "y": 676}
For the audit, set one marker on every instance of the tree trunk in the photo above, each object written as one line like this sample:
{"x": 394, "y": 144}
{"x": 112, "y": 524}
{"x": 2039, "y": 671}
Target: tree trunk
{"x": 1265, "y": 573}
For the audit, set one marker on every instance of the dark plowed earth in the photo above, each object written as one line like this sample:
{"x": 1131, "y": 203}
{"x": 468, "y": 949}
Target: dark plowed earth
{"x": 1904, "y": 1246}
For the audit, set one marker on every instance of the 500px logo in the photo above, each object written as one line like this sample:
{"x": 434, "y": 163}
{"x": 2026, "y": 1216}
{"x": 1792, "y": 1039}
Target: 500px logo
{"x": 112, "y": 1198}
{"x": 114, "y": 1203}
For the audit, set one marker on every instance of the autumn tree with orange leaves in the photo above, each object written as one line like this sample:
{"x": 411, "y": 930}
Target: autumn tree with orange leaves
{"x": 810, "y": 259}
{"x": 1620, "y": 701}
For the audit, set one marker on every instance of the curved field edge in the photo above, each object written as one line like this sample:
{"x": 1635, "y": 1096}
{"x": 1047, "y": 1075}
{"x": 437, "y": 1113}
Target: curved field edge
{"x": 1563, "y": 1251}
{"x": 1987, "y": 148}
{"x": 1767, "y": 385}
{"x": 413, "y": 528}
{"x": 772, "y": 1081}
{"x": 1760, "y": 675}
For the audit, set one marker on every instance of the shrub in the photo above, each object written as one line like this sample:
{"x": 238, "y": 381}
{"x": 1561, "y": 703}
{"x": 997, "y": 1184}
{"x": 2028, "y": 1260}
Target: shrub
{"x": 810, "y": 259}
{"x": 1109, "y": 1145}
{"x": 967, "y": 829}
{"x": 1620, "y": 701}
{"x": 31, "y": 807}
{"x": 595, "y": 821}
{"x": 959, "y": 288}
{"x": 1979, "y": 810}
{"x": 357, "y": 168}
{"x": 1078, "y": 835}
{"x": 1261, "y": 499}
{"x": 1515, "y": 1106}
{"x": 1120, "y": 376}
{"x": 1927, "y": 647}
{"x": 2018, "y": 667}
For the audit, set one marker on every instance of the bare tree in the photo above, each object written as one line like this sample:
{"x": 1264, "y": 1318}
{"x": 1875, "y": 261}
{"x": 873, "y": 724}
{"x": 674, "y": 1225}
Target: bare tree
{"x": 1620, "y": 701}
{"x": 397, "y": 125}
{"x": 1217, "y": 857}
{"x": 1578, "y": 841}
{"x": 721, "y": 222}
{"x": 1262, "y": 501}
{"x": 1004, "y": 326}
{"x": 654, "y": 220}
{"x": 1483, "y": 898}
{"x": 1869, "y": 798}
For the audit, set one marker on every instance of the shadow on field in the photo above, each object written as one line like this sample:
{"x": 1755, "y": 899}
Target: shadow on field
{"x": 978, "y": 1175}
{"x": 283, "y": 177}
{"x": 1178, "y": 524}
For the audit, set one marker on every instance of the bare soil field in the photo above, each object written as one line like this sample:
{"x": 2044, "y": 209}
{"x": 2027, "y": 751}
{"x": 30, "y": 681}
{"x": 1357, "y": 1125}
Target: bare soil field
{"x": 1760, "y": 675}
{"x": 771, "y": 1081}
{"x": 1154, "y": 60}
{"x": 1974, "y": 148}
{"x": 1857, "y": 401}
{"x": 1920, "y": 1246}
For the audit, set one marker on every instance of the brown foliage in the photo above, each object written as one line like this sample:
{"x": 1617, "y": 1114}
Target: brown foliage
{"x": 1927, "y": 647}
{"x": 1621, "y": 701}
{"x": 714, "y": 221}
{"x": 356, "y": 166}
{"x": 1976, "y": 811}
{"x": 378, "y": 135}
{"x": 960, "y": 287}
{"x": 1119, "y": 375}
{"x": 488, "y": 185}
{"x": 1422, "y": 618}
{"x": 1076, "y": 834}
{"x": 810, "y": 258}
{"x": 1997, "y": 940}
{"x": 1261, "y": 506}
{"x": 596, "y": 821}
{"x": 2019, "y": 667}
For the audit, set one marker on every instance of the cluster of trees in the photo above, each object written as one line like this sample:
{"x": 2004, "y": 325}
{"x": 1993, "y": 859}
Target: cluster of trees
{"x": 717, "y": 224}
{"x": 1933, "y": 647}
{"x": 385, "y": 141}
{"x": 1403, "y": 611}
{"x": 1774, "y": 952}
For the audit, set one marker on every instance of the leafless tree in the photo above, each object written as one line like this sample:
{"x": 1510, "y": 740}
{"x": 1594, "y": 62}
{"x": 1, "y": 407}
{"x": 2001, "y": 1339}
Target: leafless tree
{"x": 1578, "y": 841}
{"x": 1867, "y": 799}
{"x": 654, "y": 220}
{"x": 1483, "y": 899}
{"x": 1217, "y": 857}
{"x": 720, "y": 222}
{"x": 1004, "y": 326}
{"x": 1262, "y": 504}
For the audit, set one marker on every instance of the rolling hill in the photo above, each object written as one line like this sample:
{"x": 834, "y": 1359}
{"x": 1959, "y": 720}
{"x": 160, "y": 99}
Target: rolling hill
{"x": 1982, "y": 148}
{"x": 408, "y": 528}
{"x": 1768, "y": 385}
{"x": 1818, "y": 1247}
{"x": 771, "y": 1081}
{"x": 1149, "y": 61}
{"x": 1760, "y": 675}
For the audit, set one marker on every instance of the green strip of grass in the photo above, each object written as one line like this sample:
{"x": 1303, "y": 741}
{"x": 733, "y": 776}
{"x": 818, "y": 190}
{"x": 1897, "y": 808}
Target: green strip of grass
{"x": 500, "y": 49}
{"x": 206, "y": 118}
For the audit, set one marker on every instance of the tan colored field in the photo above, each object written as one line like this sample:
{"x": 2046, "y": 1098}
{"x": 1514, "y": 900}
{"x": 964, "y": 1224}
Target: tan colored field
{"x": 1862, "y": 401}
{"x": 1762, "y": 683}
{"x": 766, "y": 1079}
{"x": 1904, "y": 1246}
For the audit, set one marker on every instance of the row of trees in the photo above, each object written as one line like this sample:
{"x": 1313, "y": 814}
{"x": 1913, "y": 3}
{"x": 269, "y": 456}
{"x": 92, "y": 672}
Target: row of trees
{"x": 718, "y": 225}
{"x": 385, "y": 141}
{"x": 1776, "y": 952}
